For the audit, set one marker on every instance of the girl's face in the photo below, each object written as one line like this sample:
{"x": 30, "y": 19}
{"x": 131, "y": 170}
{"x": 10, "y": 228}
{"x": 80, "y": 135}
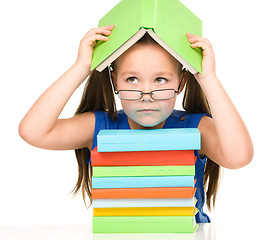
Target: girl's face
{"x": 147, "y": 68}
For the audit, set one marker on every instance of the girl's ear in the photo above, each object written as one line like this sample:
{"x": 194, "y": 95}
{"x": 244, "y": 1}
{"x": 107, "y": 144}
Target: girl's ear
{"x": 183, "y": 76}
{"x": 113, "y": 76}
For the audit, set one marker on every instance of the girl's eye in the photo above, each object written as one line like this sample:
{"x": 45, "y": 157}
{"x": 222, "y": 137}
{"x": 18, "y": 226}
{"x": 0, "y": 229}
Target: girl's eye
{"x": 161, "y": 80}
{"x": 132, "y": 80}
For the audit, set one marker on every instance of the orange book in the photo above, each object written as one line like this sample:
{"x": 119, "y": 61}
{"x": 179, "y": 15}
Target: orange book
{"x": 143, "y": 158}
{"x": 162, "y": 192}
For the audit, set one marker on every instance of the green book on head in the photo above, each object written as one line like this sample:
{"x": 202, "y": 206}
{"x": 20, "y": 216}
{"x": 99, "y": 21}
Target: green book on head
{"x": 166, "y": 21}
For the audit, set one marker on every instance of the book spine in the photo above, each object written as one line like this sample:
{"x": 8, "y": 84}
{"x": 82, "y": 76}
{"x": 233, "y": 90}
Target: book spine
{"x": 147, "y": 147}
{"x": 148, "y": 12}
{"x": 142, "y": 182}
{"x": 150, "y": 140}
{"x": 141, "y": 171}
{"x": 143, "y": 224}
{"x": 145, "y": 211}
{"x": 147, "y": 158}
{"x": 180, "y": 192}
{"x": 141, "y": 202}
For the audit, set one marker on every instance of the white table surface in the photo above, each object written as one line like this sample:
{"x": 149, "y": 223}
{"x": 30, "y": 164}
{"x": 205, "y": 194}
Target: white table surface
{"x": 209, "y": 231}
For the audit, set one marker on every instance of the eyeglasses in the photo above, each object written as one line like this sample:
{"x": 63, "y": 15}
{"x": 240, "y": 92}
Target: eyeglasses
{"x": 133, "y": 95}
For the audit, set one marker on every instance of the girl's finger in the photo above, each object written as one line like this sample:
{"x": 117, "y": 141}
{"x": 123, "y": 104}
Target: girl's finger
{"x": 97, "y": 31}
{"x": 192, "y": 40}
{"x": 109, "y": 26}
{"x": 189, "y": 35}
{"x": 202, "y": 41}
{"x": 98, "y": 37}
{"x": 195, "y": 38}
{"x": 92, "y": 40}
{"x": 201, "y": 45}
{"x": 103, "y": 29}
{"x": 197, "y": 44}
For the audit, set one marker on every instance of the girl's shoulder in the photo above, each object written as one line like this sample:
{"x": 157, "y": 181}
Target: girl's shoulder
{"x": 177, "y": 119}
{"x": 183, "y": 119}
{"x": 103, "y": 120}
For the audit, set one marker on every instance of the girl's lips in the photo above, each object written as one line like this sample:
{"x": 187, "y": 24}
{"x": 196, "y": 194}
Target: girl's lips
{"x": 147, "y": 110}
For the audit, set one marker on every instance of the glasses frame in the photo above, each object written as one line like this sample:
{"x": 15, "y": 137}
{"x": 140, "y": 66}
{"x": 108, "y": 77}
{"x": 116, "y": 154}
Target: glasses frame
{"x": 142, "y": 94}
{"x": 110, "y": 69}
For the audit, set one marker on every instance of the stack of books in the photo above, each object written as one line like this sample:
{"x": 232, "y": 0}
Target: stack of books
{"x": 143, "y": 181}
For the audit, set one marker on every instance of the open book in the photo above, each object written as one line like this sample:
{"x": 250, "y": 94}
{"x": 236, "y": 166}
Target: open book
{"x": 166, "y": 21}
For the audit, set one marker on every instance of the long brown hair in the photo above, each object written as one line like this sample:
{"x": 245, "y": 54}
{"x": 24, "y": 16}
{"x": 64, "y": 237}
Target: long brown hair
{"x": 98, "y": 96}
{"x": 194, "y": 101}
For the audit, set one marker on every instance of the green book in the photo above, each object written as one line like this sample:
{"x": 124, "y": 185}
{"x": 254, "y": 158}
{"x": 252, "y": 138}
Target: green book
{"x": 166, "y": 21}
{"x": 143, "y": 171}
{"x": 144, "y": 224}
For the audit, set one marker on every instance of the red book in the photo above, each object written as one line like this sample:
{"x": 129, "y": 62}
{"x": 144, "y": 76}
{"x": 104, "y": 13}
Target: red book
{"x": 166, "y": 192}
{"x": 143, "y": 158}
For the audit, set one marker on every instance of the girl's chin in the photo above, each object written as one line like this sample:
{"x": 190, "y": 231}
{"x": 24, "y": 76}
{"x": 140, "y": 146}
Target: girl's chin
{"x": 150, "y": 123}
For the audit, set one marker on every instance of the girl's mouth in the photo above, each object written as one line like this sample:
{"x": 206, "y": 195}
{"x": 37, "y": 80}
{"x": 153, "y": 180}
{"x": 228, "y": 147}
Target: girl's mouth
{"x": 147, "y": 110}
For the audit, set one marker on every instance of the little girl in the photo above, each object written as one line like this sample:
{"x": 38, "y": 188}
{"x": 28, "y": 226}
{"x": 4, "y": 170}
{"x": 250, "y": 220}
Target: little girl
{"x": 147, "y": 79}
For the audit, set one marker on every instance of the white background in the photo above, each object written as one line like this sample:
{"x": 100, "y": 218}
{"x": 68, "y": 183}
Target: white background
{"x": 39, "y": 42}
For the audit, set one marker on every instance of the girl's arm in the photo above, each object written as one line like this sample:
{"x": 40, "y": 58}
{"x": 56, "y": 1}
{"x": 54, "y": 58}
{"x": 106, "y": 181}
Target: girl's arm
{"x": 225, "y": 138}
{"x": 41, "y": 127}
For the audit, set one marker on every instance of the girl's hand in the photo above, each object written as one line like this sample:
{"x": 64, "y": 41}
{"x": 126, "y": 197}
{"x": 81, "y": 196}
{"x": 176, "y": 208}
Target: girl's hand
{"x": 88, "y": 42}
{"x": 208, "y": 63}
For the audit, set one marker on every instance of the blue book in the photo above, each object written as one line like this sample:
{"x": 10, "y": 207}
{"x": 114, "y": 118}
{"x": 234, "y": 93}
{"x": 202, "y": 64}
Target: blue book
{"x": 112, "y": 140}
{"x": 143, "y": 202}
{"x": 142, "y": 182}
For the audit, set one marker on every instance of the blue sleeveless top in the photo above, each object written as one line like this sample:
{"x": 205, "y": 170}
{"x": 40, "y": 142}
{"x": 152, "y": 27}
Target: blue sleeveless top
{"x": 178, "y": 119}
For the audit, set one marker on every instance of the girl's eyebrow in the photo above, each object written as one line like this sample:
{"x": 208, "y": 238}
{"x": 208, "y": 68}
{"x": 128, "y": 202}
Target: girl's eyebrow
{"x": 164, "y": 73}
{"x": 129, "y": 73}
{"x": 136, "y": 73}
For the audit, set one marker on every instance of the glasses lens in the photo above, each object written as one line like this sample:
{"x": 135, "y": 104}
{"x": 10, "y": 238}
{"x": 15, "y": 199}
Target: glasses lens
{"x": 129, "y": 95}
{"x": 163, "y": 94}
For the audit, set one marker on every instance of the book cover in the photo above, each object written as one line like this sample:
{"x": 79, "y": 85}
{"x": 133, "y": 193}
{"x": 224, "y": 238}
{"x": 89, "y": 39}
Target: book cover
{"x": 167, "y": 21}
{"x": 167, "y": 192}
{"x": 144, "y": 224}
{"x": 142, "y": 202}
{"x": 141, "y": 171}
{"x": 142, "y": 182}
{"x": 118, "y": 140}
{"x": 143, "y": 158}
{"x": 145, "y": 211}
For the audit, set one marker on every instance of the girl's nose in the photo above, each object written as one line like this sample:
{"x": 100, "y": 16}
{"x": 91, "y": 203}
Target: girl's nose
{"x": 146, "y": 89}
{"x": 147, "y": 97}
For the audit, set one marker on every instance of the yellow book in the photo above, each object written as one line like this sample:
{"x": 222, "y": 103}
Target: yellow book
{"x": 145, "y": 211}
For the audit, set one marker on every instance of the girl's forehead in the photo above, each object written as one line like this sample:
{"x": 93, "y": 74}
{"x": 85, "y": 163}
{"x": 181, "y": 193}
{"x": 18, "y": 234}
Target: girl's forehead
{"x": 148, "y": 57}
